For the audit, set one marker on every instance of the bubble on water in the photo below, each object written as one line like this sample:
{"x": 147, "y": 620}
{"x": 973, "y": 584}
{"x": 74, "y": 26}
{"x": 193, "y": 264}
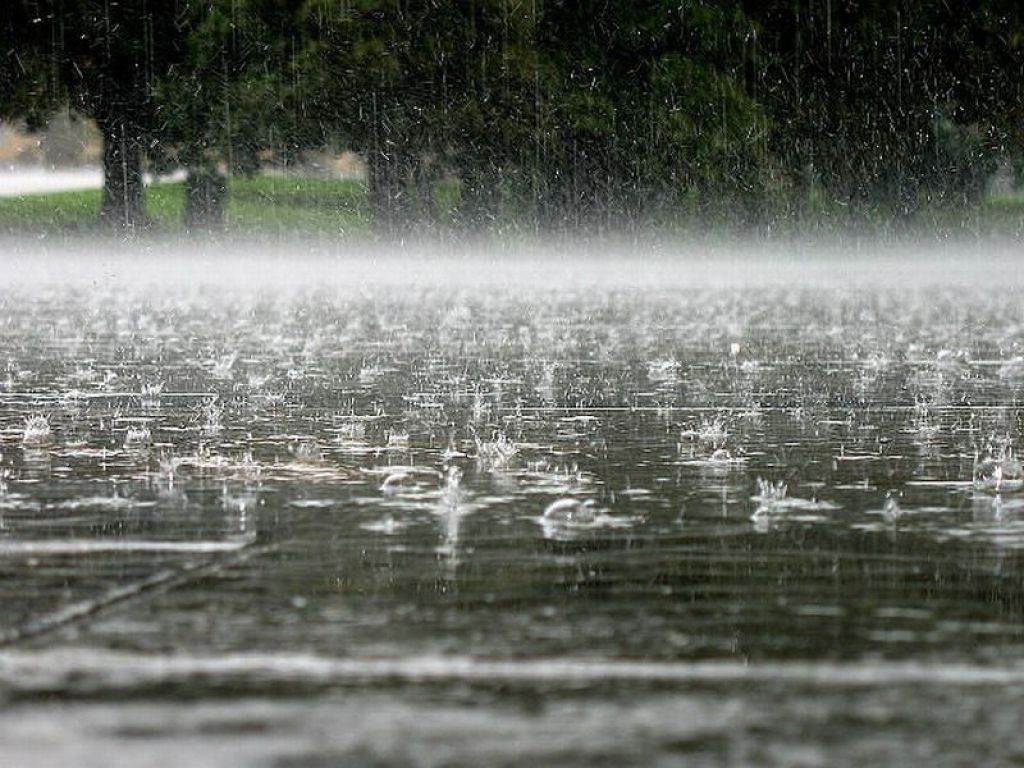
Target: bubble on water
{"x": 571, "y": 511}
{"x": 394, "y": 482}
{"x": 570, "y": 517}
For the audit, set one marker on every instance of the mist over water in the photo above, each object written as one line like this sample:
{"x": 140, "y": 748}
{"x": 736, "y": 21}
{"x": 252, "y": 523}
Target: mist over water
{"x": 556, "y": 264}
{"x": 654, "y": 503}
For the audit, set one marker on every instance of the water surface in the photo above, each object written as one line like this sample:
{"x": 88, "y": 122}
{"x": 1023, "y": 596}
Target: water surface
{"x": 702, "y": 508}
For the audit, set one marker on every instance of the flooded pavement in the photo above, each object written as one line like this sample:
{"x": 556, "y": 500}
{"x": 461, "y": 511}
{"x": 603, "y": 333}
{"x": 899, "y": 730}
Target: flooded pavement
{"x": 437, "y": 512}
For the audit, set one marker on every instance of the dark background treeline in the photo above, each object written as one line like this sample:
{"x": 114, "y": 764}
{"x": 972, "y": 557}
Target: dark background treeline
{"x": 542, "y": 114}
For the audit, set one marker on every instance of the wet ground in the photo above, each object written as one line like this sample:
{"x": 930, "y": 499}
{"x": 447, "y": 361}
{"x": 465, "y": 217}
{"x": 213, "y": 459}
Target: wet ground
{"x": 703, "y": 510}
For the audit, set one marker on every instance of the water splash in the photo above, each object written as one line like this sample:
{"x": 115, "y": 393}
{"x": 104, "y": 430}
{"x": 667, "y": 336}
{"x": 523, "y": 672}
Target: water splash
{"x": 891, "y": 510}
{"x": 138, "y": 437}
{"x": 37, "y": 432}
{"x": 998, "y": 469}
{"x": 213, "y": 414}
{"x": 222, "y": 367}
{"x": 496, "y": 453}
{"x": 150, "y": 394}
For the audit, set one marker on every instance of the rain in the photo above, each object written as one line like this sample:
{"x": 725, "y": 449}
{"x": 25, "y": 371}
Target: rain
{"x": 510, "y": 383}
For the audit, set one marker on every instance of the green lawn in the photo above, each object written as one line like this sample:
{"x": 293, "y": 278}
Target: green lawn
{"x": 260, "y": 205}
{"x": 272, "y": 205}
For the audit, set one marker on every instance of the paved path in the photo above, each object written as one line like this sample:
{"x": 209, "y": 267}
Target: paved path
{"x": 30, "y": 181}
{"x": 15, "y": 181}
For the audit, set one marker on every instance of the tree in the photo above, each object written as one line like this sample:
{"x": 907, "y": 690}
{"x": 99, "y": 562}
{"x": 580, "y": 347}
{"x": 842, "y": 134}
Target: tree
{"x": 231, "y": 100}
{"x": 368, "y": 68}
{"x": 889, "y": 105}
{"x": 102, "y": 58}
{"x": 578, "y": 114}
{"x": 642, "y": 111}
{"x": 563, "y": 113}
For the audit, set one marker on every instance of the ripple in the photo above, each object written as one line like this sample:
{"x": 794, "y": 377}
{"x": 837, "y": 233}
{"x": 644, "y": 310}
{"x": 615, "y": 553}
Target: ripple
{"x": 95, "y": 546}
{"x": 98, "y": 669}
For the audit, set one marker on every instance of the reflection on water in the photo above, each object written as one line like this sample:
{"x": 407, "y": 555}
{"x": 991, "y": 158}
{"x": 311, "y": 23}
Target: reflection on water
{"x": 568, "y": 501}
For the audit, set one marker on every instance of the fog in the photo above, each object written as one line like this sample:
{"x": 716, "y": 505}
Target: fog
{"x": 559, "y": 265}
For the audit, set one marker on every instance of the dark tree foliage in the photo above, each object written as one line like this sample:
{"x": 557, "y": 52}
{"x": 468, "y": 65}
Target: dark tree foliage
{"x": 646, "y": 113}
{"x": 103, "y": 59}
{"x": 544, "y": 114}
{"x": 416, "y": 88}
{"x": 229, "y": 104}
{"x": 556, "y": 114}
{"x": 886, "y": 105}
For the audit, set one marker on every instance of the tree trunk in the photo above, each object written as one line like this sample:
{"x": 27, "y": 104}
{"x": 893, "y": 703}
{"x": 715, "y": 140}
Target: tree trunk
{"x": 122, "y": 173}
{"x": 205, "y": 194}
